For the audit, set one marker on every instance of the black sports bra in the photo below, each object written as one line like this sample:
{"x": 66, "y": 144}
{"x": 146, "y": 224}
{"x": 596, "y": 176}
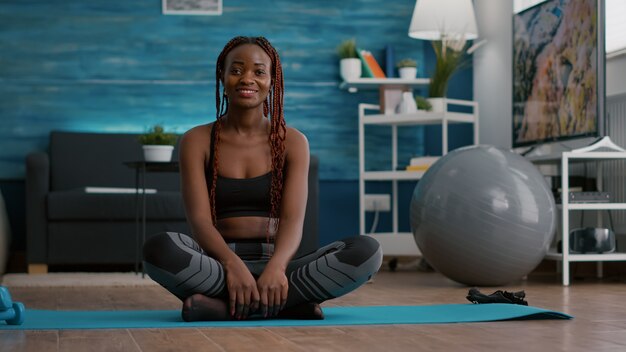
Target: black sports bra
{"x": 239, "y": 196}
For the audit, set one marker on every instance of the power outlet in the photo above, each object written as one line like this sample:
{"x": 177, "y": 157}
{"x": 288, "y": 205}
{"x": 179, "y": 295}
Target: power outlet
{"x": 380, "y": 202}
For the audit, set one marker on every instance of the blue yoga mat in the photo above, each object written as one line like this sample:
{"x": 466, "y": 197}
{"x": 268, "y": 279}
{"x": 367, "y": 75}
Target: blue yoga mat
{"x": 370, "y": 315}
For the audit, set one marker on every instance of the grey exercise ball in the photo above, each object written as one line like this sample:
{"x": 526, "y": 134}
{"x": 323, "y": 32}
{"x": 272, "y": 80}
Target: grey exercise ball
{"x": 483, "y": 216}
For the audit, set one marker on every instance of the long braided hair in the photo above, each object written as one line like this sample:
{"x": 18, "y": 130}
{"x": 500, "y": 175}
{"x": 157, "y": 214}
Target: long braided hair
{"x": 272, "y": 109}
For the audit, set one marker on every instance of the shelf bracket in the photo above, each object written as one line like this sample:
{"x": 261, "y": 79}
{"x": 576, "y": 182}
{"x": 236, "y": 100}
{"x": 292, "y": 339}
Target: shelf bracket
{"x": 604, "y": 142}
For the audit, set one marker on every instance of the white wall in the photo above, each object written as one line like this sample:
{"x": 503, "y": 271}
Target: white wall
{"x": 493, "y": 71}
{"x": 616, "y": 76}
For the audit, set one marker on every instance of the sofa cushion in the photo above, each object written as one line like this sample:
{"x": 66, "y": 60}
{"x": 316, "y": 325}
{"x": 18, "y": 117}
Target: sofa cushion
{"x": 89, "y": 242}
{"x": 78, "y": 205}
{"x": 79, "y": 159}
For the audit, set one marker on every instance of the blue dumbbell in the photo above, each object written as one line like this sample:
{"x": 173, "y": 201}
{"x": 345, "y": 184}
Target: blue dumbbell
{"x": 5, "y": 299}
{"x": 11, "y": 312}
{"x": 14, "y": 315}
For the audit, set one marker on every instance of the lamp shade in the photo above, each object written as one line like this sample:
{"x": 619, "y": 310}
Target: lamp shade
{"x": 433, "y": 19}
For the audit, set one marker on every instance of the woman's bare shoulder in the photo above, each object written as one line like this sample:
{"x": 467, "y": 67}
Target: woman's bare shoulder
{"x": 296, "y": 142}
{"x": 293, "y": 136}
{"x": 198, "y": 135}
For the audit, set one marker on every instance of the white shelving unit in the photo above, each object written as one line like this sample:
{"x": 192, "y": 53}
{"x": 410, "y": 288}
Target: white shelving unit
{"x": 377, "y": 83}
{"x": 397, "y": 243}
{"x": 591, "y": 153}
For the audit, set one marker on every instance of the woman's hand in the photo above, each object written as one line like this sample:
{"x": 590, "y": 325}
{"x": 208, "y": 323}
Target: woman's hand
{"x": 273, "y": 287}
{"x": 242, "y": 290}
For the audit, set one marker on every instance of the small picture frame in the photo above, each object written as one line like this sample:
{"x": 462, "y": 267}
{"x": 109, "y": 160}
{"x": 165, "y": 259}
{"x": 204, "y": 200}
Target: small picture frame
{"x": 192, "y": 7}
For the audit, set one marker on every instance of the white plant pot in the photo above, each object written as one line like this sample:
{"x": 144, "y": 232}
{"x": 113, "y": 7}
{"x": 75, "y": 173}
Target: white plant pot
{"x": 407, "y": 72}
{"x": 350, "y": 69}
{"x": 437, "y": 104}
{"x": 158, "y": 153}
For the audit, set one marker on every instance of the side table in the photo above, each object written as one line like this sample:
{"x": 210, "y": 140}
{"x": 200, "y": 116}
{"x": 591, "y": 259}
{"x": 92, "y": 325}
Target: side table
{"x": 141, "y": 169}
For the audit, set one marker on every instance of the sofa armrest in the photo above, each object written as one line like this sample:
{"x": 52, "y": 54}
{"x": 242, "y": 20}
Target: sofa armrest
{"x": 37, "y": 188}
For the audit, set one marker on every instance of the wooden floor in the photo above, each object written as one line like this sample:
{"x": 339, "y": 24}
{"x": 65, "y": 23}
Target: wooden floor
{"x": 599, "y": 307}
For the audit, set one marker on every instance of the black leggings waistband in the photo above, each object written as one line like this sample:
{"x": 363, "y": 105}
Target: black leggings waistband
{"x": 251, "y": 240}
{"x": 252, "y": 250}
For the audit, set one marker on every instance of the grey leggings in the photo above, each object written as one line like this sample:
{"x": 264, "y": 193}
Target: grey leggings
{"x": 177, "y": 262}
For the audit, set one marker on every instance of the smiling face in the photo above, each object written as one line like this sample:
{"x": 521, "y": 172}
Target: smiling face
{"x": 247, "y": 76}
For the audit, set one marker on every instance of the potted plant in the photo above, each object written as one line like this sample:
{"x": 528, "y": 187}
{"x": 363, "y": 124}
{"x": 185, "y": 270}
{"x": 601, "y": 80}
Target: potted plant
{"x": 158, "y": 145}
{"x": 451, "y": 56}
{"x": 349, "y": 63}
{"x": 407, "y": 68}
{"x": 422, "y": 103}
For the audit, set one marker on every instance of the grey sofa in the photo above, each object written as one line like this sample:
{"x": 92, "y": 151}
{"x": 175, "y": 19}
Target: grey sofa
{"x": 66, "y": 225}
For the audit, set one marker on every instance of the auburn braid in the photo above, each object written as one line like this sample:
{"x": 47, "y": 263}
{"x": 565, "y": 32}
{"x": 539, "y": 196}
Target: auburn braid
{"x": 272, "y": 108}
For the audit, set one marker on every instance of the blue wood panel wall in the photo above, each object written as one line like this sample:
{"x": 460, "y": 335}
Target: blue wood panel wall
{"x": 121, "y": 66}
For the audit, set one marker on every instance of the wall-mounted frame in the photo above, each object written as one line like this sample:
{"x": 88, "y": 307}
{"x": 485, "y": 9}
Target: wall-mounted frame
{"x": 192, "y": 7}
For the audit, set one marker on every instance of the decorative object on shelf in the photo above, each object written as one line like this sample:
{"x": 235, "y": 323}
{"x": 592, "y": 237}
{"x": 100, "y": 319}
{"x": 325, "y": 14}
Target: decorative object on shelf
{"x": 158, "y": 145}
{"x": 349, "y": 63}
{"x": 486, "y": 237}
{"x": 422, "y": 103}
{"x": 448, "y": 24}
{"x": 407, "y": 68}
{"x": 407, "y": 104}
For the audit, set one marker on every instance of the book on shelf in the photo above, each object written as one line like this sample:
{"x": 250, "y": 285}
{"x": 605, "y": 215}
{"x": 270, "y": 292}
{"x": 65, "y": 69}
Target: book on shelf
{"x": 367, "y": 72}
{"x": 390, "y": 61}
{"x": 421, "y": 162}
{"x": 417, "y": 167}
{"x": 374, "y": 67}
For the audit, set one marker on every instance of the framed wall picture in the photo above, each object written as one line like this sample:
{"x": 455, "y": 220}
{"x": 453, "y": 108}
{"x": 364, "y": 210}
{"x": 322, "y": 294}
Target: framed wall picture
{"x": 192, "y": 7}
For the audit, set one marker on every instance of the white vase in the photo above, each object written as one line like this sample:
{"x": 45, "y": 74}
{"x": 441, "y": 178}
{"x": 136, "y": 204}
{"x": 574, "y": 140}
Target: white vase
{"x": 407, "y": 72}
{"x": 437, "y": 104}
{"x": 158, "y": 153}
{"x": 350, "y": 69}
{"x": 407, "y": 104}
